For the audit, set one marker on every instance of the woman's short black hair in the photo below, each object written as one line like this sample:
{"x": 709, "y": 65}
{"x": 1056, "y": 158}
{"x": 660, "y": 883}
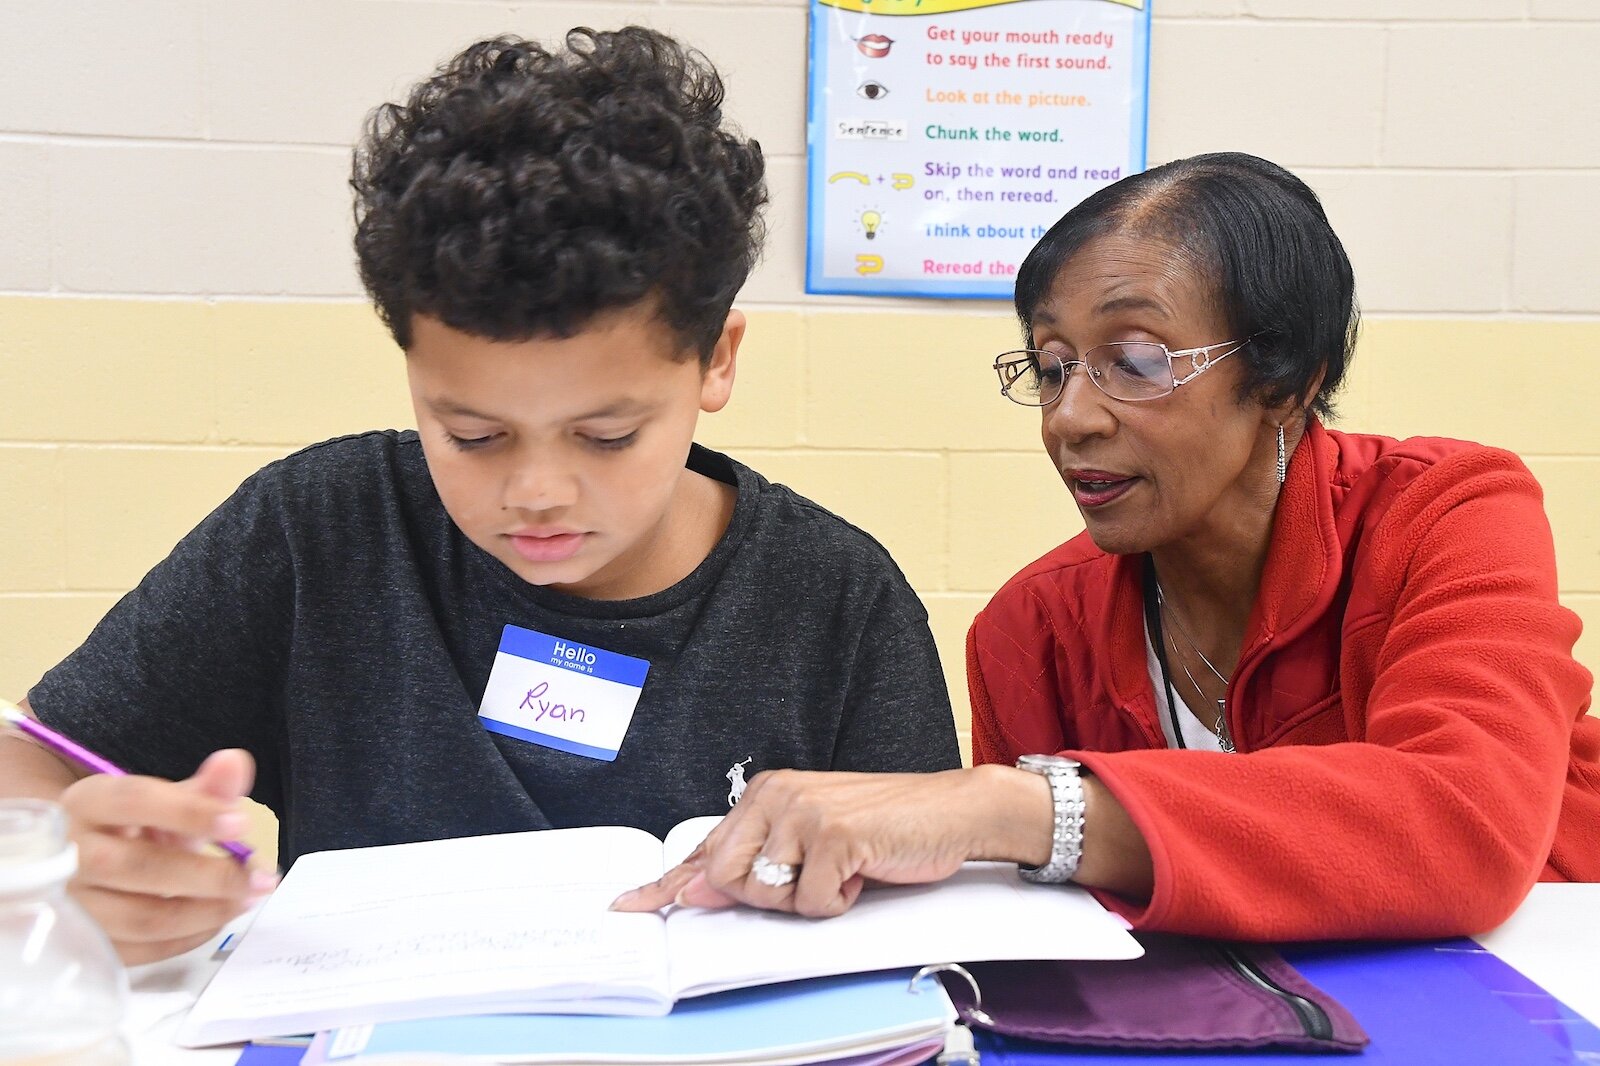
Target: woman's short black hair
{"x": 521, "y": 191}
{"x": 1263, "y": 244}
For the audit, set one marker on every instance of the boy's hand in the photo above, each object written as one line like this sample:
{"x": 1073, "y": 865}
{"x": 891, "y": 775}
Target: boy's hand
{"x": 146, "y": 871}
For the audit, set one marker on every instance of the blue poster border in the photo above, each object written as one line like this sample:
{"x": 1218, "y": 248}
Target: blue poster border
{"x": 817, "y": 283}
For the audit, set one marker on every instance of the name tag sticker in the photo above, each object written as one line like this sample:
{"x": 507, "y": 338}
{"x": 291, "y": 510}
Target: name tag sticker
{"x": 561, "y": 694}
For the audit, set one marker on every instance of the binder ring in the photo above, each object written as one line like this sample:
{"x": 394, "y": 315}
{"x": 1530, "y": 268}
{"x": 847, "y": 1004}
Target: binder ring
{"x": 974, "y": 1013}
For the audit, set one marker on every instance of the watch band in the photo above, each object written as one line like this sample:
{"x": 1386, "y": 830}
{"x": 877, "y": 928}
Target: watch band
{"x": 1066, "y": 837}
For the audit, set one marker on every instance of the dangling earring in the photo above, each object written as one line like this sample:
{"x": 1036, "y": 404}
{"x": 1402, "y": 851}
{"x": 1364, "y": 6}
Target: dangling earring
{"x": 1283, "y": 458}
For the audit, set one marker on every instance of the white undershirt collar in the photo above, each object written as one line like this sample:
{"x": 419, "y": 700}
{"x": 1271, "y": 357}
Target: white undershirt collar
{"x": 1195, "y": 733}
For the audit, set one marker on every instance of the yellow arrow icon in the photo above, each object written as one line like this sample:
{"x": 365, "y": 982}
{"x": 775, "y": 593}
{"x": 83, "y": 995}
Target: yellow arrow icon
{"x": 849, "y": 174}
{"x": 869, "y": 264}
{"x": 903, "y": 181}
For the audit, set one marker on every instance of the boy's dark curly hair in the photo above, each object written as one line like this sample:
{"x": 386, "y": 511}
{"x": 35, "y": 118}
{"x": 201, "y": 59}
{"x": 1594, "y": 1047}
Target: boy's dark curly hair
{"x": 519, "y": 192}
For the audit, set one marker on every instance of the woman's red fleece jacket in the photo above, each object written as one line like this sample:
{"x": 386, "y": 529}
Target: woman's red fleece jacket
{"x": 1414, "y": 748}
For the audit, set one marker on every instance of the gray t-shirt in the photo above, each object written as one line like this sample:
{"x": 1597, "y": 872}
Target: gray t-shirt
{"x": 331, "y": 619}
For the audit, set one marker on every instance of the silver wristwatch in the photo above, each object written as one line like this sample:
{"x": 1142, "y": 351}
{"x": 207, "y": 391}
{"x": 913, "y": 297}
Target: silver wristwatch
{"x": 1066, "y": 838}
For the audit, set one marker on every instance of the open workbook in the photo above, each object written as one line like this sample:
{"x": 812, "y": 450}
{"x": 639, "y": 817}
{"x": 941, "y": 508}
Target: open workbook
{"x": 519, "y": 922}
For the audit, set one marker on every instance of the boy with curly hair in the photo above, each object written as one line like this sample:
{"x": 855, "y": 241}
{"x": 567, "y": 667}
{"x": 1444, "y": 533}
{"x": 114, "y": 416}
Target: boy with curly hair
{"x": 547, "y": 607}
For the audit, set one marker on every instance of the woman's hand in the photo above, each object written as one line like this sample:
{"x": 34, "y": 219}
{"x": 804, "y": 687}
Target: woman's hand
{"x": 841, "y": 830}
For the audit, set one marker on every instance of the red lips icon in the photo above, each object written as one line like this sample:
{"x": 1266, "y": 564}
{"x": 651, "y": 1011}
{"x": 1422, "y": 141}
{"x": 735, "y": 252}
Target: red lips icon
{"x": 873, "y": 45}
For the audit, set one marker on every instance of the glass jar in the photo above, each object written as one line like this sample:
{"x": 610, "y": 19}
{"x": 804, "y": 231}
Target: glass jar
{"x": 62, "y": 988}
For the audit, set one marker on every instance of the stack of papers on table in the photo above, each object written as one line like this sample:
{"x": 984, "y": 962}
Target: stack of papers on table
{"x": 860, "y": 1020}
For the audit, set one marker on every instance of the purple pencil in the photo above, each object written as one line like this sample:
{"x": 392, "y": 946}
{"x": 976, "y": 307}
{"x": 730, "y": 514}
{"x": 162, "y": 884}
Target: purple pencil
{"x": 13, "y": 716}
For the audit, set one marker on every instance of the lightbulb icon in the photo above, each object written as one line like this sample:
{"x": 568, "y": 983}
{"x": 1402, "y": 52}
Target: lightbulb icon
{"x": 870, "y": 221}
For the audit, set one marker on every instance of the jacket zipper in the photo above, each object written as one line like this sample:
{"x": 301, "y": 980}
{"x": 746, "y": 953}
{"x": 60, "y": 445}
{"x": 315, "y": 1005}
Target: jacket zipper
{"x": 1241, "y": 670}
{"x": 1313, "y": 1019}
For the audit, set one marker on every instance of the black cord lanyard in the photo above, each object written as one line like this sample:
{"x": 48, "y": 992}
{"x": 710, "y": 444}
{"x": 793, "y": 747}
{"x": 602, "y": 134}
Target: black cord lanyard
{"x": 1152, "y": 622}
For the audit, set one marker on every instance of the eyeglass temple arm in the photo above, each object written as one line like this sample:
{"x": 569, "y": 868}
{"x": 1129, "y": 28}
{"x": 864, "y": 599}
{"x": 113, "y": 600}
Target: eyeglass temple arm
{"x": 1201, "y": 360}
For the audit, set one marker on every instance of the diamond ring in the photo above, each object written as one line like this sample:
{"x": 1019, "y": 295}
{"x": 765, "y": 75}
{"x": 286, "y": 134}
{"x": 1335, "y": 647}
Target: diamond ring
{"x": 773, "y": 874}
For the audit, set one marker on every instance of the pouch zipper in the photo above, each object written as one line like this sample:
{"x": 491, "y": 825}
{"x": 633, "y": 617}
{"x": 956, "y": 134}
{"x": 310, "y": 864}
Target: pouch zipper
{"x": 1313, "y": 1019}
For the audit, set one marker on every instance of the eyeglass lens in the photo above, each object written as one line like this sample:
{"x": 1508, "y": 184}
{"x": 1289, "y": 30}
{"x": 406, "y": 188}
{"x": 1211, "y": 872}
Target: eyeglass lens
{"x": 1123, "y": 370}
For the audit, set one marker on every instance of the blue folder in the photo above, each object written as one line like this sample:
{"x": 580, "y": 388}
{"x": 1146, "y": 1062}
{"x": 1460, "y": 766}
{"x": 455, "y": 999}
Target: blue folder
{"x": 271, "y": 1055}
{"x": 746, "y": 1021}
{"x": 1449, "y": 1002}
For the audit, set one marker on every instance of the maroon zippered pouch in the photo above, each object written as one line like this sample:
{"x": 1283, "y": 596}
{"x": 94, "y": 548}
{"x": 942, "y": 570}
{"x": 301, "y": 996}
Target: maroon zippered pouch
{"x": 1182, "y": 994}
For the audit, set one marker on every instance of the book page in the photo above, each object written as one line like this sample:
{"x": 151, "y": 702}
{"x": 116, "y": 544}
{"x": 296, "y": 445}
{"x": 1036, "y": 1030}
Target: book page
{"x": 684, "y": 837}
{"x": 984, "y": 912}
{"x": 516, "y": 921}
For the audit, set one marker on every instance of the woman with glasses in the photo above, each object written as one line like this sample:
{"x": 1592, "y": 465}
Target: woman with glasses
{"x": 1289, "y": 682}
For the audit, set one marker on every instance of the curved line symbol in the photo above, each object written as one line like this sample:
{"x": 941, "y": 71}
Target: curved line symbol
{"x": 844, "y": 174}
{"x": 869, "y": 264}
{"x": 903, "y": 181}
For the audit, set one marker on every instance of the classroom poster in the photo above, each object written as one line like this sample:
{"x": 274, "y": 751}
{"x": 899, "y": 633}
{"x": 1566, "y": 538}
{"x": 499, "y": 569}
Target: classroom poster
{"x": 944, "y": 137}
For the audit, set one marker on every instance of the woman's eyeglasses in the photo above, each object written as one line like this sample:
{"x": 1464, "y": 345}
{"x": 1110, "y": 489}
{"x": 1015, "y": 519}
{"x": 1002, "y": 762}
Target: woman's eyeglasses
{"x": 1123, "y": 370}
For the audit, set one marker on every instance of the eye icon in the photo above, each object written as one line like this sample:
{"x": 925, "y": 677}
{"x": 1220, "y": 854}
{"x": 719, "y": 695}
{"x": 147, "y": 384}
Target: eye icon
{"x": 872, "y": 90}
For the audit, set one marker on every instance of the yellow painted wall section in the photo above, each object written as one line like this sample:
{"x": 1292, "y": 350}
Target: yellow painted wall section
{"x": 125, "y": 421}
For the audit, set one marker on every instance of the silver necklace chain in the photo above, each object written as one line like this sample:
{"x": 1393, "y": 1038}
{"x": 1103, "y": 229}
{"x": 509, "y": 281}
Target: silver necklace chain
{"x": 1224, "y": 739}
{"x": 1183, "y": 630}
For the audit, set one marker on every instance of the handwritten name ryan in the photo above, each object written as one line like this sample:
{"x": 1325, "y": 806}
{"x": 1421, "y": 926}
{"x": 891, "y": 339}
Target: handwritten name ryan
{"x": 535, "y": 701}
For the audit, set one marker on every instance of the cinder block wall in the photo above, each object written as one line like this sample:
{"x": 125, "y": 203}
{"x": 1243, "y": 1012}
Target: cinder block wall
{"x": 178, "y": 305}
